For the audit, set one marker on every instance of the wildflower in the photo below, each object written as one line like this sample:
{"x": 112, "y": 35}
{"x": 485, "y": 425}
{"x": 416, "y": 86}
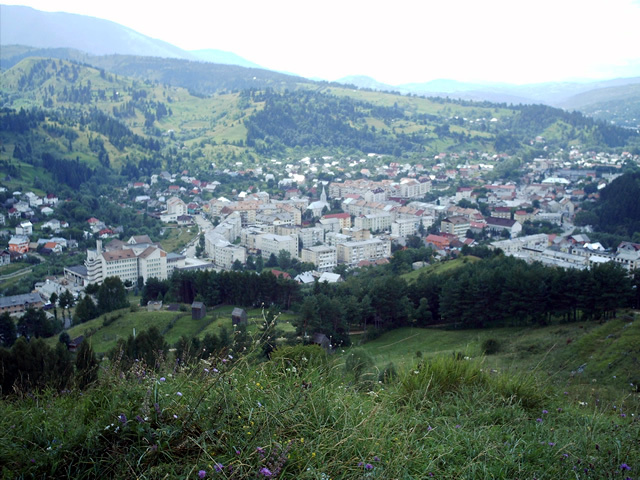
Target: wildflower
{"x": 429, "y": 428}
{"x": 368, "y": 466}
{"x": 206, "y": 370}
{"x": 265, "y": 471}
{"x": 376, "y": 458}
{"x": 231, "y": 357}
{"x": 218, "y": 467}
{"x": 624, "y": 466}
{"x": 215, "y": 370}
{"x": 179, "y": 394}
{"x": 162, "y": 379}
{"x": 539, "y": 420}
{"x": 202, "y": 474}
{"x": 123, "y": 418}
{"x": 175, "y": 416}
{"x": 623, "y": 415}
{"x": 545, "y": 411}
{"x": 458, "y": 426}
{"x": 552, "y": 444}
{"x": 259, "y": 404}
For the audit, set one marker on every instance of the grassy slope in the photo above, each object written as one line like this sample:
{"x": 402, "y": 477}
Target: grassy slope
{"x": 453, "y": 418}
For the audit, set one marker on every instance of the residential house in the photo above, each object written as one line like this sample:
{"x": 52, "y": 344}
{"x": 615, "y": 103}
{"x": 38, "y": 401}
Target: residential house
{"x": 456, "y": 225}
{"x": 19, "y": 303}
{"x": 25, "y": 228}
{"x": 500, "y": 224}
{"x": 19, "y": 244}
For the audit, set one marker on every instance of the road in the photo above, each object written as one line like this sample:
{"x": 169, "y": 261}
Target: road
{"x": 204, "y": 225}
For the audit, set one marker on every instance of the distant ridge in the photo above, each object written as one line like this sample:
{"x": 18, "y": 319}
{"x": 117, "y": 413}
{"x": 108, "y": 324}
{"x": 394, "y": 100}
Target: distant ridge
{"x": 21, "y": 25}
{"x": 225, "y": 58}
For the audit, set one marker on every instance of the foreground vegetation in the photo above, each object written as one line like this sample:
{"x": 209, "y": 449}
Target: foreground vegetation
{"x": 303, "y": 414}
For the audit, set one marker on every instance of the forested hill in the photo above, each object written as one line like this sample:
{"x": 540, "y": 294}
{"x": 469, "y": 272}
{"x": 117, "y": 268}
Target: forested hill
{"x": 101, "y": 119}
{"x": 201, "y": 78}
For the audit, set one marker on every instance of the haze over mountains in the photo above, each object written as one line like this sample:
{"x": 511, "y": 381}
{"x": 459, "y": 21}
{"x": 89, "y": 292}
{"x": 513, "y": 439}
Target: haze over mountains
{"x": 20, "y": 25}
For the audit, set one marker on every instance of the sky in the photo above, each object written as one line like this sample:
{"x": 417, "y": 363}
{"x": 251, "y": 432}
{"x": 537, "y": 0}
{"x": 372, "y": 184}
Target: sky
{"x": 510, "y": 41}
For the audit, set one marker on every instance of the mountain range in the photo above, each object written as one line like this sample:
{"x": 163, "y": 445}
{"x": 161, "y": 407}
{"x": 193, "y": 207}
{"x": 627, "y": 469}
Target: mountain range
{"x": 21, "y": 25}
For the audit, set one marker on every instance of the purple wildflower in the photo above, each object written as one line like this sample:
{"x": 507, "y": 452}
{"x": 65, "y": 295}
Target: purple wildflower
{"x": 218, "y": 467}
{"x": 179, "y": 394}
{"x": 368, "y": 466}
{"x": 123, "y": 418}
{"x": 265, "y": 471}
{"x": 376, "y": 458}
{"x": 202, "y": 474}
{"x": 360, "y": 464}
{"x": 624, "y": 466}
{"x": 539, "y": 420}
{"x": 623, "y": 415}
{"x": 458, "y": 426}
{"x": 552, "y": 444}
{"x": 215, "y": 370}
{"x": 545, "y": 411}
{"x": 162, "y": 379}
{"x": 206, "y": 370}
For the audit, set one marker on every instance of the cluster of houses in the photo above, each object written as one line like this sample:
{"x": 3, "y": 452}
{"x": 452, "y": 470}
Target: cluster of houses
{"x": 381, "y": 204}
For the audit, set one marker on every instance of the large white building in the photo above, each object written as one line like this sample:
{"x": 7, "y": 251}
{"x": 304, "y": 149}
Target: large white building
{"x": 269, "y": 243}
{"x": 403, "y": 227}
{"x": 175, "y": 208}
{"x": 374, "y": 221}
{"x": 352, "y": 253}
{"x": 325, "y": 258}
{"x": 126, "y": 261}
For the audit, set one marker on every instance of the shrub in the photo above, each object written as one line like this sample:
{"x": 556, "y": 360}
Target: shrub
{"x": 389, "y": 374}
{"x": 490, "y": 346}
{"x": 358, "y": 362}
{"x": 302, "y": 357}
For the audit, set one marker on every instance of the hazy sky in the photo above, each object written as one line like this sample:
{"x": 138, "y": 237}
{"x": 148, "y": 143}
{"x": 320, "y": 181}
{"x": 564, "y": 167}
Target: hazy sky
{"x": 514, "y": 41}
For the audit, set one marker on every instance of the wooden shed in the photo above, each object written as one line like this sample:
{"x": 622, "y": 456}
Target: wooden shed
{"x": 239, "y": 316}
{"x": 198, "y": 310}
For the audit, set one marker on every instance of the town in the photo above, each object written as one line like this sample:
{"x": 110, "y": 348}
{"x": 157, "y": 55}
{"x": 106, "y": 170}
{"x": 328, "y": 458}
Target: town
{"x": 324, "y": 217}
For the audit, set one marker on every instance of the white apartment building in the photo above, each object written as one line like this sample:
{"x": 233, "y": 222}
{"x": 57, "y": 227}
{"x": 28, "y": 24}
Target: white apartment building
{"x": 224, "y": 254}
{"x": 456, "y": 225}
{"x": 311, "y": 236}
{"x": 175, "y": 208}
{"x": 403, "y": 227}
{"x": 126, "y": 263}
{"x": 324, "y": 257}
{"x": 270, "y": 243}
{"x": 374, "y": 221}
{"x": 352, "y": 253}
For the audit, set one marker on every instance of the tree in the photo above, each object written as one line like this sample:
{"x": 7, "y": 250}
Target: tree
{"x": 85, "y": 310}
{"x": 7, "y": 330}
{"x": 237, "y": 265}
{"x": 65, "y": 301}
{"x": 284, "y": 259}
{"x": 200, "y": 246}
{"x": 272, "y": 262}
{"x": 86, "y": 366}
{"x": 111, "y": 295}
{"x": 35, "y": 323}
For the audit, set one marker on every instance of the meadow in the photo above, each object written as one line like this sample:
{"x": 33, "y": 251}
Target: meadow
{"x": 412, "y": 404}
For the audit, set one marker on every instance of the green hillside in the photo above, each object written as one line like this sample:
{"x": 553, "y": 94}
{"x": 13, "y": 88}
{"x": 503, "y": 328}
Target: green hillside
{"x": 88, "y": 113}
{"x": 555, "y": 411}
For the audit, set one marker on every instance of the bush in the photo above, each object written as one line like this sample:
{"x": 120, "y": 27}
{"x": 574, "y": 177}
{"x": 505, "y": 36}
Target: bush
{"x": 490, "y": 346}
{"x": 301, "y": 357}
{"x": 358, "y": 363}
{"x": 389, "y": 374}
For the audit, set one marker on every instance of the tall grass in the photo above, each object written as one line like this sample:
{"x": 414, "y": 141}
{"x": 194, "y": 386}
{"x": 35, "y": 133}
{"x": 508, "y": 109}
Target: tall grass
{"x": 304, "y": 415}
